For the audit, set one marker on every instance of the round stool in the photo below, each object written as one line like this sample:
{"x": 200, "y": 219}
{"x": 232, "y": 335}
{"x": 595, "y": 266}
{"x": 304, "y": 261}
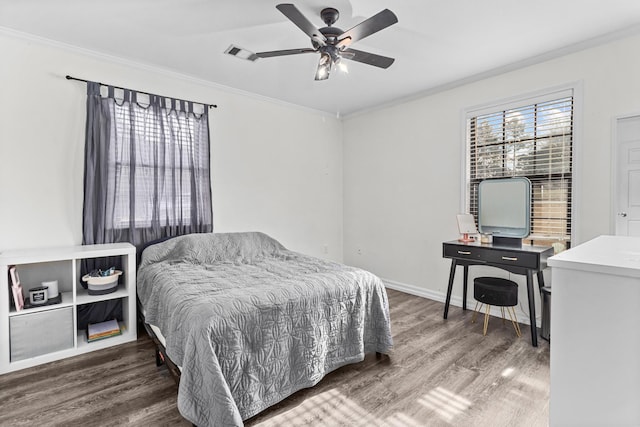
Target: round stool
{"x": 499, "y": 292}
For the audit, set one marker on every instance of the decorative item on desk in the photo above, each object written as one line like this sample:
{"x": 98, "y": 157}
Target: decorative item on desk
{"x": 486, "y": 238}
{"x": 558, "y": 247}
{"x": 466, "y": 226}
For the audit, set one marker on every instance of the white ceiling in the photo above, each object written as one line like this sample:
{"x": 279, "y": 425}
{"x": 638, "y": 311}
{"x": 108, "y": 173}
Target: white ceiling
{"x": 436, "y": 43}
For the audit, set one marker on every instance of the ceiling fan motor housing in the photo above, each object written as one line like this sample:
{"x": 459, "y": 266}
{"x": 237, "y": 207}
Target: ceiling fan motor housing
{"x": 330, "y": 33}
{"x": 329, "y": 16}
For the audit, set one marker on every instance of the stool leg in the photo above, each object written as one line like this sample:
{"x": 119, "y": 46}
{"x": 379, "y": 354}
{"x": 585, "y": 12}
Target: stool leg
{"x": 486, "y": 320}
{"x": 516, "y": 326}
{"x": 475, "y": 312}
{"x": 502, "y": 311}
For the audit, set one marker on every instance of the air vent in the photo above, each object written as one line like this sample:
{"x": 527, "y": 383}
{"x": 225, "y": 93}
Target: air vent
{"x": 241, "y": 53}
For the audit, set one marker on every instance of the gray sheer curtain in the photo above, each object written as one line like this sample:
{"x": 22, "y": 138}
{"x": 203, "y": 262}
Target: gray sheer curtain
{"x": 146, "y": 168}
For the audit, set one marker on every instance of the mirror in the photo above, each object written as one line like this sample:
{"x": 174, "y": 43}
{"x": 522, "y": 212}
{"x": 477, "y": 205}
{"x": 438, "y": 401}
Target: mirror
{"x": 504, "y": 209}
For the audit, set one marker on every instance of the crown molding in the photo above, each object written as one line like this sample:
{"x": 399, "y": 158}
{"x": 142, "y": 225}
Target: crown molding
{"x": 534, "y": 60}
{"x": 143, "y": 66}
{"x": 630, "y": 31}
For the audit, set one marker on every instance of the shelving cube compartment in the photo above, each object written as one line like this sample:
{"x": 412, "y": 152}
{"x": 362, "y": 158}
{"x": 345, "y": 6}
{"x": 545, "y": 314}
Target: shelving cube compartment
{"x": 58, "y": 322}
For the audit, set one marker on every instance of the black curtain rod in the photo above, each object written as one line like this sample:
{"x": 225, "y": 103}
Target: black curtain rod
{"x": 146, "y": 93}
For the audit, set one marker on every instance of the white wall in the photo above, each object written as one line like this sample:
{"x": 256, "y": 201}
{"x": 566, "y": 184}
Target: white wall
{"x": 279, "y": 169}
{"x": 403, "y": 164}
{"x": 275, "y": 168}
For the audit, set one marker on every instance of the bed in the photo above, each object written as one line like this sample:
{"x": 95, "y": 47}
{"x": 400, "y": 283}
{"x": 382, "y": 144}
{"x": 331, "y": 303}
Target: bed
{"x": 249, "y": 322}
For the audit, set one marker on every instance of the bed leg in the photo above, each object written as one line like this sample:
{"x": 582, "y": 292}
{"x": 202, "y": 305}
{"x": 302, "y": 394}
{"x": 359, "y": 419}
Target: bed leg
{"x": 159, "y": 359}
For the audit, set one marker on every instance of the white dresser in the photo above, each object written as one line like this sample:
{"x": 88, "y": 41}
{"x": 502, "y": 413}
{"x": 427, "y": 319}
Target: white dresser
{"x": 595, "y": 334}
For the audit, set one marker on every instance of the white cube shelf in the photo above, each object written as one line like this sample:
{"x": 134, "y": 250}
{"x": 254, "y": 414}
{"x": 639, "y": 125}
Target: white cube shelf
{"x": 63, "y": 264}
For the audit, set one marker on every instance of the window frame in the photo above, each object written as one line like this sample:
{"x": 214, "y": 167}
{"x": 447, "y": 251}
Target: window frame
{"x": 574, "y": 90}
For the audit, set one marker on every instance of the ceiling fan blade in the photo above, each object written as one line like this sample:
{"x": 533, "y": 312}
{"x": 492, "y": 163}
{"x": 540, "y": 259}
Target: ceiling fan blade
{"x": 295, "y": 16}
{"x": 377, "y": 22}
{"x": 367, "y": 58}
{"x": 284, "y": 52}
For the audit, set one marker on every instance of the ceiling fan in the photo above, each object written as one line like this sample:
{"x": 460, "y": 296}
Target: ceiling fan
{"x": 331, "y": 42}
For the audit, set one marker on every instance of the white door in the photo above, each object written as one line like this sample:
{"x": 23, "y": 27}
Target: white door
{"x": 627, "y": 192}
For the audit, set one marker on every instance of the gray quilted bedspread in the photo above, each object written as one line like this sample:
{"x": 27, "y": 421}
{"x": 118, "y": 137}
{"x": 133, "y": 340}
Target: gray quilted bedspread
{"x": 251, "y": 322}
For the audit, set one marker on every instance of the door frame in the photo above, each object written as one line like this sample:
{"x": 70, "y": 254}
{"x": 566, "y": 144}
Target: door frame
{"x": 614, "y": 168}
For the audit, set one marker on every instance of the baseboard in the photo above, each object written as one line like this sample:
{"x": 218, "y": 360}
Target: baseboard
{"x": 455, "y": 300}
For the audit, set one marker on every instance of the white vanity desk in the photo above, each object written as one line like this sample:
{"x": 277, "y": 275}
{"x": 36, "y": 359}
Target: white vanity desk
{"x": 595, "y": 334}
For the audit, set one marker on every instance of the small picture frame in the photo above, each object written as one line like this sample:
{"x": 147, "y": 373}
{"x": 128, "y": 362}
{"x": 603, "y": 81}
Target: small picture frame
{"x": 466, "y": 227}
{"x": 16, "y": 288}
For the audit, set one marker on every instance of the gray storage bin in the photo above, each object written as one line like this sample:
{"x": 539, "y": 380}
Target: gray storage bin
{"x": 35, "y": 334}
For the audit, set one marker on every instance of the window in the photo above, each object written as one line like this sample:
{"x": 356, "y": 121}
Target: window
{"x": 166, "y": 161}
{"x": 533, "y": 139}
{"x": 146, "y": 167}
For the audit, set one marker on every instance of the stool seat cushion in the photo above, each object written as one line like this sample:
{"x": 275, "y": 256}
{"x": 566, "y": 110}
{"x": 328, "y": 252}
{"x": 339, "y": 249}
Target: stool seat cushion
{"x": 495, "y": 291}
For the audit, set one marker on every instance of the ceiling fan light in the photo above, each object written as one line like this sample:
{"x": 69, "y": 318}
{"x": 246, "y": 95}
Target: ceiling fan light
{"x": 341, "y": 65}
{"x": 324, "y": 66}
{"x": 322, "y": 73}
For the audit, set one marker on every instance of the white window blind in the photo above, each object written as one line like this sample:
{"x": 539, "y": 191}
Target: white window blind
{"x": 169, "y": 156}
{"x": 534, "y": 141}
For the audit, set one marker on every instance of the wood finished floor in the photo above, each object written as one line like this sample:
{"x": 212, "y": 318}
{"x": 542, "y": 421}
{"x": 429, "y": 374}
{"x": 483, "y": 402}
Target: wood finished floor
{"x": 440, "y": 373}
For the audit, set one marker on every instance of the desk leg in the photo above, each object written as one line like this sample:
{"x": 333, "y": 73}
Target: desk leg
{"x": 452, "y": 274}
{"x": 532, "y": 308}
{"x": 540, "y": 281}
{"x": 464, "y": 287}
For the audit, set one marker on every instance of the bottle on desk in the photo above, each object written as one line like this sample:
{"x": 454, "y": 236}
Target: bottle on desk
{"x": 486, "y": 238}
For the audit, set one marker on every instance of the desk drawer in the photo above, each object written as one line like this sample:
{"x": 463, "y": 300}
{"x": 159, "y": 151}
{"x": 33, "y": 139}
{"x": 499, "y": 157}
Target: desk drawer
{"x": 507, "y": 257}
{"x": 463, "y": 252}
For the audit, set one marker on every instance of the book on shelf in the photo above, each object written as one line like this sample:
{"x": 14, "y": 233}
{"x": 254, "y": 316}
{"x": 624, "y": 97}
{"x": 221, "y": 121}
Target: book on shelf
{"x": 98, "y": 331}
